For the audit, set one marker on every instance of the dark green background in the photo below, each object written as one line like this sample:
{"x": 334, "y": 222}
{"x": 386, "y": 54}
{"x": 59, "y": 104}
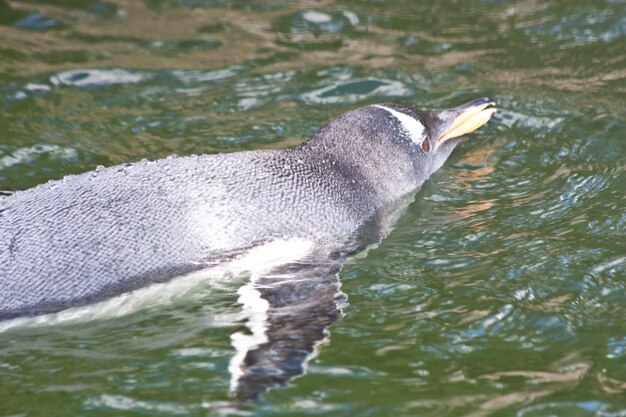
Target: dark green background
{"x": 501, "y": 292}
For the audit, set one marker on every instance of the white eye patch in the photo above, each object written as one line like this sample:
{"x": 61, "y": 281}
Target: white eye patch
{"x": 411, "y": 125}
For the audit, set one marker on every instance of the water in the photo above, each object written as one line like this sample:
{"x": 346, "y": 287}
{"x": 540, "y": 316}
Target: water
{"x": 501, "y": 291}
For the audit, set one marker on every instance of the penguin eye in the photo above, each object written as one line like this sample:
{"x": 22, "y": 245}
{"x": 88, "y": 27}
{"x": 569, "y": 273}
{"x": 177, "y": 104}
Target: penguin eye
{"x": 426, "y": 145}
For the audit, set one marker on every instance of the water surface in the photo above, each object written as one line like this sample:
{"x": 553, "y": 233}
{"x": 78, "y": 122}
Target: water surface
{"x": 501, "y": 291}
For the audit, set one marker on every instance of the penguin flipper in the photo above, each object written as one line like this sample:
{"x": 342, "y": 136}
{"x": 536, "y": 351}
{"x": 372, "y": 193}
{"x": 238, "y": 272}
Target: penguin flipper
{"x": 302, "y": 301}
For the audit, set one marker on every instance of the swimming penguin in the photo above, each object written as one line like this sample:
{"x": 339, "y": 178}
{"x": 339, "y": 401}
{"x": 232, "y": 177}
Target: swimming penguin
{"x": 89, "y": 237}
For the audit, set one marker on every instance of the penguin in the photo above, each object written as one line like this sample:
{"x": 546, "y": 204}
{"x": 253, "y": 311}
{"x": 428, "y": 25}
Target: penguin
{"x": 90, "y": 237}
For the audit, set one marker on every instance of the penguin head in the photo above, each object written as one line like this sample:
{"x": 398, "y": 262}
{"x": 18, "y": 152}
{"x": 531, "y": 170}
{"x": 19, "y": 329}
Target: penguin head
{"x": 395, "y": 148}
{"x": 430, "y": 137}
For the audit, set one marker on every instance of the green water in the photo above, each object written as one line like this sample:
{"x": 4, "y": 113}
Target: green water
{"x": 501, "y": 291}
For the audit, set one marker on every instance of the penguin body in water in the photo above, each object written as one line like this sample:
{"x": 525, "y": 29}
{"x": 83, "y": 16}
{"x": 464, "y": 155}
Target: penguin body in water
{"x": 93, "y": 236}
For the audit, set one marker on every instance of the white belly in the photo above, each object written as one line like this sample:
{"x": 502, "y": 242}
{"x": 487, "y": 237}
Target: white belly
{"x": 256, "y": 262}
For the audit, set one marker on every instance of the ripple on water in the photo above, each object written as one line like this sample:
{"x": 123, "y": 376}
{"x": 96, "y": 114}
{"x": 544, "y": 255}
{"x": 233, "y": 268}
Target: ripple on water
{"x": 314, "y": 20}
{"x": 96, "y": 77}
{"x": 258, "y": 90}
{"x": 30, "y": 154}
{"x": 578, "y": 409}
{"x": 330, "y": 21}
{"x": 30, "y": 90}
{"x": 582, "y": 27}
{"x": 245, "y": 5}
{"x": 182, "y": 46}
{"x": 356, "y": 90}
{"x": 315, "y": 29}
{"x": 37, "y": 22}
{"x": 198, "y": 77}
{"x": 127, "y": 403}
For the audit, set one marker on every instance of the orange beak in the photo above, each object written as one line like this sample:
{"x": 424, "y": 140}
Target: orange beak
{"x": 471, "y": 118}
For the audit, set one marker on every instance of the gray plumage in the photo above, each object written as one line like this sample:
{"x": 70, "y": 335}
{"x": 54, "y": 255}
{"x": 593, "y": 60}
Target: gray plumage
{"x": 89, "y": 237}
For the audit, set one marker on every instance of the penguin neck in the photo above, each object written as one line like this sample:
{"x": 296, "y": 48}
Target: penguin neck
{"x": 385, "y": 168}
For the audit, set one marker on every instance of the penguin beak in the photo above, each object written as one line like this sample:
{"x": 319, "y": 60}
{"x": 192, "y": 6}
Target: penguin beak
{"x": 465, "y": 119}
